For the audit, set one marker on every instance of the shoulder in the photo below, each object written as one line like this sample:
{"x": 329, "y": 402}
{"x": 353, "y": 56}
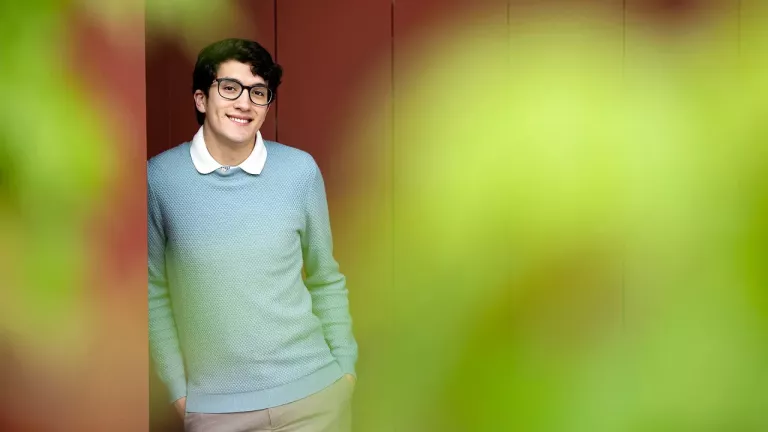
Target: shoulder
{"x": 161, "y": 166}
{"x": 295, "y": 160}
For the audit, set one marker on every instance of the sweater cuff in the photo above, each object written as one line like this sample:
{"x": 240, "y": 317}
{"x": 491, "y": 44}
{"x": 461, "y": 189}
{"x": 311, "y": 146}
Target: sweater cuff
{"x": 177, "y": 389}
{"x": 347, "y": 365}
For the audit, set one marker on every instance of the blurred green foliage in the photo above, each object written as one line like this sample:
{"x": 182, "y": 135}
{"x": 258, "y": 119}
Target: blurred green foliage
{"x": 55, "y": 164}
{"x": 58, "y": 159}
{"x": 576, "y": 234}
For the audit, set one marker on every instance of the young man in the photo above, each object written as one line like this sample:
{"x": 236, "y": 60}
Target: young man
{"x": 241, "y": 340}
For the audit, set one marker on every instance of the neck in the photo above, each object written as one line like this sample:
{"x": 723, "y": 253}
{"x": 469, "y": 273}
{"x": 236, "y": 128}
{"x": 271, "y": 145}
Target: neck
{"x": 226, "y": 152}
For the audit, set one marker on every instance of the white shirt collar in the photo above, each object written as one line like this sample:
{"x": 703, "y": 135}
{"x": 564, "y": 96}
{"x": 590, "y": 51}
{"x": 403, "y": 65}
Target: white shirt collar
{"x": 206, "y": 164}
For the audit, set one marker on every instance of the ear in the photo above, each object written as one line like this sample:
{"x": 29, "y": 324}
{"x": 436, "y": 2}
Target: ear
{"x": 200, "y": 100}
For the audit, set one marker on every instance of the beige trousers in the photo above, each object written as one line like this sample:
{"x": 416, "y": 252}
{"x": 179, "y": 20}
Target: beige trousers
{"x": 328, "y": 410}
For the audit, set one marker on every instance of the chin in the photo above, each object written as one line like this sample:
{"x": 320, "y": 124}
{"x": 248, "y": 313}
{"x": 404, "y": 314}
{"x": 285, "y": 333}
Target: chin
{"x": 240, "y": 136}
{"x": 242, "y": 139}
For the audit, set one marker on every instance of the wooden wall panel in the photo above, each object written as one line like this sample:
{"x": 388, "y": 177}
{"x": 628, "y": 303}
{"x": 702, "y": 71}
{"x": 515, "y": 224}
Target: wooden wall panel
{"x": 335, "y": 103}
{"x": 421, "y": 30}
{"x": 330, "y": 52}
{"x": 678, "y": 56}
{"x": 670, "y": 49}
{"x": 420, "y": 360}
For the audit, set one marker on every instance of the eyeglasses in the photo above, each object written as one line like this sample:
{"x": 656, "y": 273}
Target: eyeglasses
{"x": 231, "y": 89}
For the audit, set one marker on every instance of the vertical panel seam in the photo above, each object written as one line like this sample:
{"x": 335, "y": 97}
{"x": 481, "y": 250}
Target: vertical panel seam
{"x": 277, "y": 104}
{"x": 624, "y": 75}
{"x": 392, "y": 137}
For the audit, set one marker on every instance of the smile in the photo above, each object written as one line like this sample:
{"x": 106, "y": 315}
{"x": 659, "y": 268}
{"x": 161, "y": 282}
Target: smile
{"x": 238, "y": 120}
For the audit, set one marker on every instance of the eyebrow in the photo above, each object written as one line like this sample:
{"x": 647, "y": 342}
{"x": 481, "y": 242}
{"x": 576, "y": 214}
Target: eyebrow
{"x": 259, "y": 84}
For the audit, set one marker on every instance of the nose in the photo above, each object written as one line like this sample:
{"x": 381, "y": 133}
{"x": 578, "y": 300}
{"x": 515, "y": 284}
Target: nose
{"x": 243, "y": 102}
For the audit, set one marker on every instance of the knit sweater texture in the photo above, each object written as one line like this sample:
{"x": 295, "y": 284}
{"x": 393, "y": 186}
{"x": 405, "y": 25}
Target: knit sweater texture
{"x": 233, "y": 324}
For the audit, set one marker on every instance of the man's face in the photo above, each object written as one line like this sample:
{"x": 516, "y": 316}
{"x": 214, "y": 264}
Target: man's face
{"x": 235, "y": 121}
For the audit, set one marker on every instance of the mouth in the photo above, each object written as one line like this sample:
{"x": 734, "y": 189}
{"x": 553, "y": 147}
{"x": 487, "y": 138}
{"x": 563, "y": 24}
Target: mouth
{"x": 243, "y": 121}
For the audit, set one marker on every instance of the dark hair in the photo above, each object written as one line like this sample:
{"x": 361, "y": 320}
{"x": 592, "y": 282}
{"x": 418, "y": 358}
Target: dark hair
{"x": 241, "y": 50}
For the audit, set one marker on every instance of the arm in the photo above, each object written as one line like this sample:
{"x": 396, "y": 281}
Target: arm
{"x": 163, "y": 339}
{"x": 326, "y": 284}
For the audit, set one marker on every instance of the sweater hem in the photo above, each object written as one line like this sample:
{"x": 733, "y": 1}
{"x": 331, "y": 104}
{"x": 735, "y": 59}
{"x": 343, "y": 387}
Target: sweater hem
{"x": 262, "y": 399}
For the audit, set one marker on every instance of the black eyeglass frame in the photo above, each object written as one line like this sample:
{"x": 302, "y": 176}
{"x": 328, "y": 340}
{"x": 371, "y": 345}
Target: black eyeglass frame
{"x": 270, "y": 93}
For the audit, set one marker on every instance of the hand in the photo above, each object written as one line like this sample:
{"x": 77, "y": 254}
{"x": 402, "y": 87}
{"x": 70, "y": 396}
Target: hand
{"x": 351, "y": 378}
{"x": 181, "y": 406}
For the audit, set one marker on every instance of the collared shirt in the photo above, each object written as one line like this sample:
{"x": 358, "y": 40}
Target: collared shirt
{"x": 206, "y": 164}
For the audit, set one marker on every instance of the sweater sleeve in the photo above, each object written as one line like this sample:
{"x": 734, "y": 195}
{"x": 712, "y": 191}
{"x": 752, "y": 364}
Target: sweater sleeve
{"x": 326, "y": 284}
{"x": 163, "y": 338}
